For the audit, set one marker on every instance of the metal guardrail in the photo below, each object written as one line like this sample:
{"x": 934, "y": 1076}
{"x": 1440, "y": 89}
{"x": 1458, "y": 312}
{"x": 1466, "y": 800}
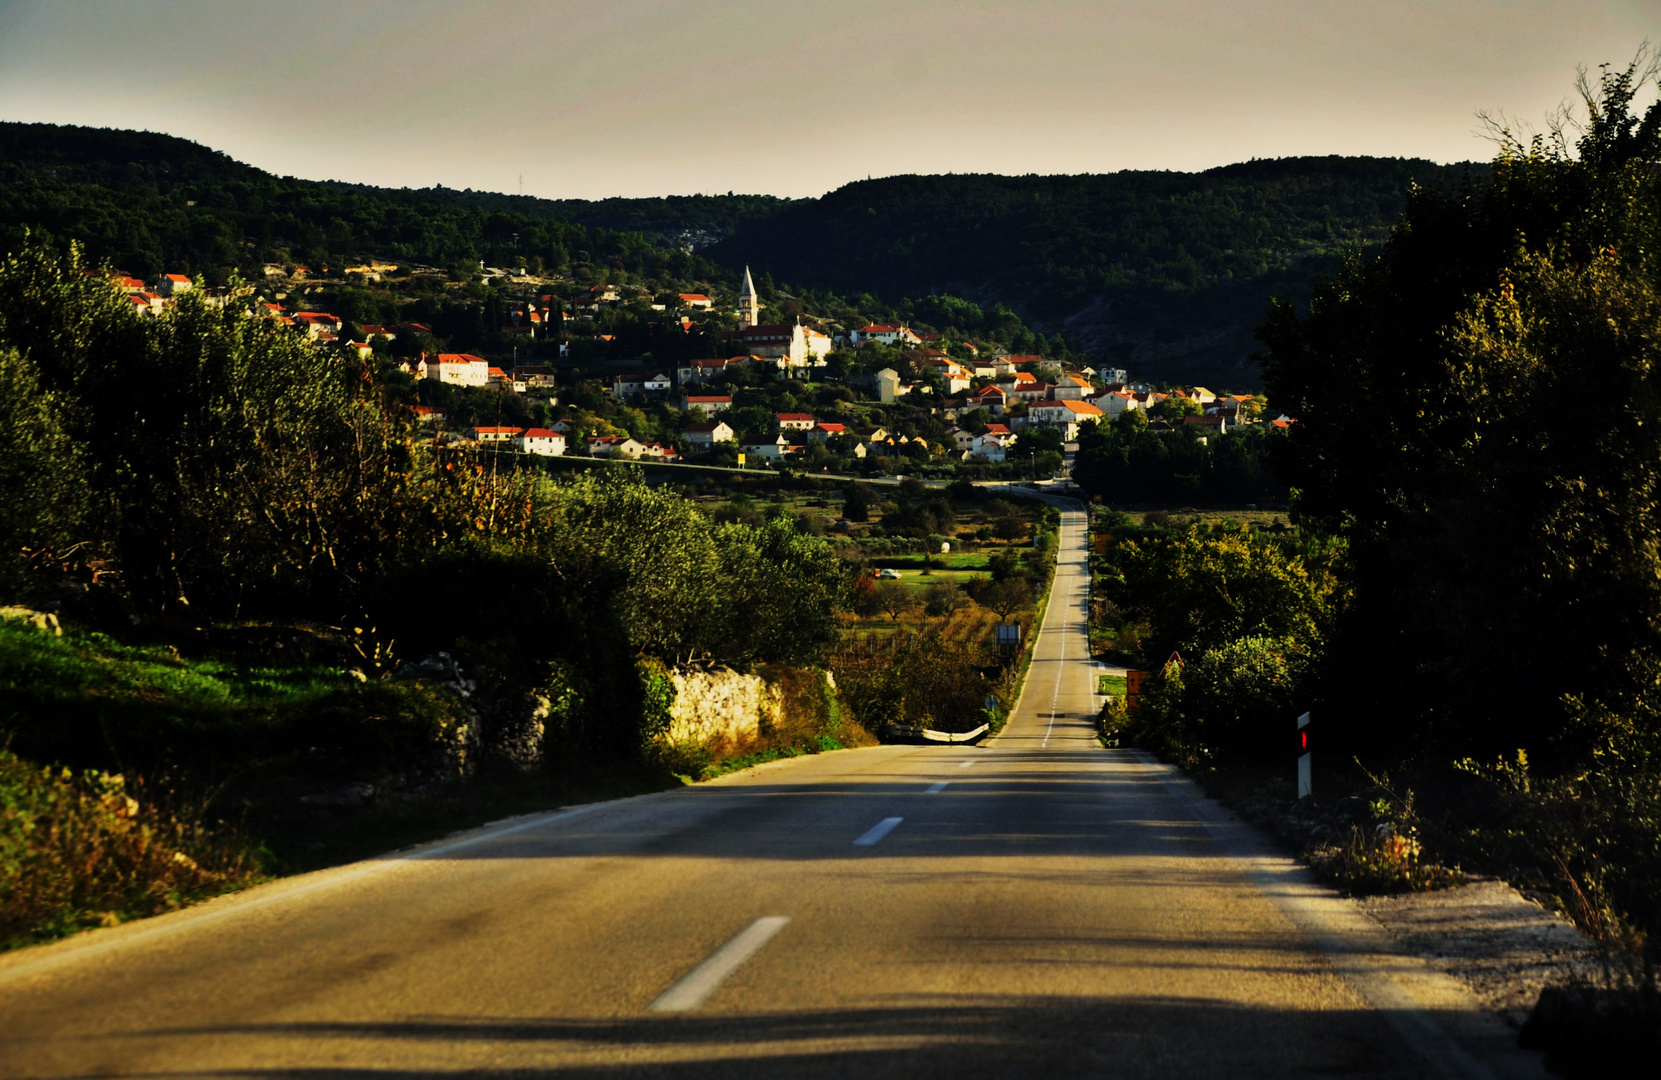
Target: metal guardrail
{"x": 904, "y": 733}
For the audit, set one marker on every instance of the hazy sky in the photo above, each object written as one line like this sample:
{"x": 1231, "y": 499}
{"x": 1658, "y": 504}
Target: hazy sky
{"x": 645, "y": 98}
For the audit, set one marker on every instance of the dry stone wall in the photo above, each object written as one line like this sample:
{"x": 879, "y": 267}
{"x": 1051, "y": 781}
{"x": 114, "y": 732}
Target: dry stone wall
{"x": 720, "y": 706}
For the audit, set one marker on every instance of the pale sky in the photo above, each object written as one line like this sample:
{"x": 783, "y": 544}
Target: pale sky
{"x": 633, "y": 97}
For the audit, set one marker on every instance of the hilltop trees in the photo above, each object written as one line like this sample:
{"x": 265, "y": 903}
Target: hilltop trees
{"x": 1478, "y": 413}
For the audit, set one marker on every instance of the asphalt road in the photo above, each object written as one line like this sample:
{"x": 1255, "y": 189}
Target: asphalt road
{"x": 1036, "y": 906}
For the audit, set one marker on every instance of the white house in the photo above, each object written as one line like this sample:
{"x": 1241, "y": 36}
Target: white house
{"x": 708, "y": 404}
{"x": 953, "y": 375}
{"x": 494, "y": 434}
{"x": 795, "y": 421}
{"x": 542, "y": 441}
{"x": 697, "y": 300}
{"x": 615, "y": 446}
{"x": 174, "y": 285}
{"x": 884, "y": 334}
{"x": 1023, "y": 386}
{"x": 1072, "y": 388}
{"x": 458, "y": 369}
{"x": 888, "y": 385}
{"x": 316, "y": 323}
{"x": 1064, "y": 414}
{"x": 992, "y": 398}
{"x": 624, "y": 386}
{"x": 991, "y": 445}
{"x": 705, "y": 436}
{"x": 1115, "y": 402}
{"x": 768, "y": 451}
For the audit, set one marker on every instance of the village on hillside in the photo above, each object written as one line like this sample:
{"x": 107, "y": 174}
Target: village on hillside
{"x": 808, "y": 393}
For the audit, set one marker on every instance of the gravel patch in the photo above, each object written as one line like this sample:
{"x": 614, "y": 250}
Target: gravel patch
{"x": 1501, "y": 944}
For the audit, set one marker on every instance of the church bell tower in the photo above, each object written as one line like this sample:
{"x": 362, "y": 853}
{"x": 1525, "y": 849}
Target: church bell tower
{"x": 749, "y": 304}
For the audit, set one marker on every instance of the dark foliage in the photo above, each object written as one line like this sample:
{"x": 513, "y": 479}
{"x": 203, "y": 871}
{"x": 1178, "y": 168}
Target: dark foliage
{"x": 1127, "y": 462}
{"x": 1175, "y": 257}
{"x": 152, "y": 203}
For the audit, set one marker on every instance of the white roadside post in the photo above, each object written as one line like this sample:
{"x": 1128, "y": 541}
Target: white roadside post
{"x": 1306, "y": 786}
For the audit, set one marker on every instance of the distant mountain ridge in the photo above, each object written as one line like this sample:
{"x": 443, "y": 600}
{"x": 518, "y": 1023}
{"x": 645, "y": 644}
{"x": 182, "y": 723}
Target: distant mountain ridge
{"x": 1164, "y": 272}
{"x": 121, "y": 159}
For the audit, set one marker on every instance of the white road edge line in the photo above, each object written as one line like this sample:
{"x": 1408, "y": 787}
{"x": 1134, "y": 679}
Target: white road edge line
{"x": 876, "y": 832}
{"x": 1329, "y": 924}
{"x": 938, "y": 785}
{"x": 968, "y": 763}
{"x": 703, "y": 980}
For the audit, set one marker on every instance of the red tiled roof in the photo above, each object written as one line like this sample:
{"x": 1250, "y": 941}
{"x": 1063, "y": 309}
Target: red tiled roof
{"x": 177, "y": 277}
{"x": 783, "y": 416}
{"x": 498, "y": 430}
{"x": 541, "y": 433}
{"x": 1082, "y": 408}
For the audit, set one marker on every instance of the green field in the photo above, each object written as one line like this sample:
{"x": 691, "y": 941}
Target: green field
{"x": 1111, "y": 685}
{"x": 919, "y": 580}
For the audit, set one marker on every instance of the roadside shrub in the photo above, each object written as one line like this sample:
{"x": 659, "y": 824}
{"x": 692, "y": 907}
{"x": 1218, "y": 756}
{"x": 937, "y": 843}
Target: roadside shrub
{"x": 1384, "y": 854}
{"x": 1241, "y": 696}
{"x": 77, "y": 850}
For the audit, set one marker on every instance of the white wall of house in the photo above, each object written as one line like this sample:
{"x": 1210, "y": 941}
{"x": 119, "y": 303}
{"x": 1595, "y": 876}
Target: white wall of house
{"x": 543, "y": 445}
{"x": 457, "y": 373}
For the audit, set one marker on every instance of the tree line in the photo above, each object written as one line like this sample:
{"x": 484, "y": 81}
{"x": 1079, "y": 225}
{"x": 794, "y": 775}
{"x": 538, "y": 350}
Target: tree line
{"x": 218, "y": 466}
{"x": 1471, "y": 601}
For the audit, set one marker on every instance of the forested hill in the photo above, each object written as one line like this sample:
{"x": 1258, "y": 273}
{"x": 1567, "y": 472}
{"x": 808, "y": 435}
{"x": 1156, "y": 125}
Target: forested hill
{"x": 152, "y": 202}
{"x": 1169, "y": 271}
